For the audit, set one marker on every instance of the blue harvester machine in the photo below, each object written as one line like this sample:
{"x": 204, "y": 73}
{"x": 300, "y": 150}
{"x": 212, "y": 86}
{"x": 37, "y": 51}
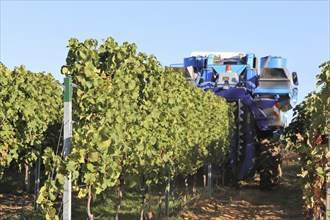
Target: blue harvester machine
{"x": 261, "y": 96}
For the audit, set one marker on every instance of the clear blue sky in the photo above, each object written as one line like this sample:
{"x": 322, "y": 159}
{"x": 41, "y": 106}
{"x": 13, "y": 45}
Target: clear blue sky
{"x": 36, "y": 33}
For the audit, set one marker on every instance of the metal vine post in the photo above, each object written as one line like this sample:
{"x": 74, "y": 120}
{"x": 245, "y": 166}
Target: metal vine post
{"x": 67, "y": 145}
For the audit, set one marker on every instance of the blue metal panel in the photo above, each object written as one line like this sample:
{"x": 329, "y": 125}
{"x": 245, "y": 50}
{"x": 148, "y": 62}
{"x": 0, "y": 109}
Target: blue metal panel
{"x": 251, "y": 78}
{"x": 197, "y": 62}
{"x": 233, "y": 94}
{"x": 250, "y": 75}
{"x": 274, "y": 62}
{"x": 200, "y": 61}
{"x": 207, "y": 75}
{"x": 210, "y": 59}
{"x": 248, "y": 161}
{"x": 250, "y": 60}
{"x": 190, "y": 61}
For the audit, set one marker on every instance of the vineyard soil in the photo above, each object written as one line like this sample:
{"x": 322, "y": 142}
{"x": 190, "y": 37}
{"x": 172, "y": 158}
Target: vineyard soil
{"x": 285, "y": 202}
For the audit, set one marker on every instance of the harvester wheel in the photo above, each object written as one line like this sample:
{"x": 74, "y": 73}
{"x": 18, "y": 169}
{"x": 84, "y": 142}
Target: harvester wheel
{"x": 269, "y": 163}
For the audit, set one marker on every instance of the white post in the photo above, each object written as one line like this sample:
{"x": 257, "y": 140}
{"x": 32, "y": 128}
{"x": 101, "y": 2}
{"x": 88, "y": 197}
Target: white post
{"x": 36, "y": 183}
{"x": 67, "y": 145}
{"x": 209, "y": 180}
{"x": 167, "y": 195}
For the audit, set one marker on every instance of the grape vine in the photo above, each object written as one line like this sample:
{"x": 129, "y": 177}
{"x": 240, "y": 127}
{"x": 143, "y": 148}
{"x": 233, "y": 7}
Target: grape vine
{"x": 133, "y": 119}
{"x": 136, "y": 120}
{"x": 30, "y": 108}
{"x": 307, "y": 134}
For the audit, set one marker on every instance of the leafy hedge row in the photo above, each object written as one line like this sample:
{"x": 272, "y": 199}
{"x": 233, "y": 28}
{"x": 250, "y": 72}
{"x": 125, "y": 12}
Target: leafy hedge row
{"x": 30, "y": 110}
{"x": 133, "y": 120}
{"x": 307, "y": 134}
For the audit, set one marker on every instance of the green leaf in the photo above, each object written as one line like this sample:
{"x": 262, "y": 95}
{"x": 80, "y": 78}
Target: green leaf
{"x": 319, "y": 171}
{"x": 60, "y": 178}
{"x": 89, "y": 84}
{"x": 90, "y": 167}
{"x": 93, "y": 156}
{"x": 153, "y": 140}
{"x": 139, "y": 147}
{"x": 64, "y": 70}
{"x": 89, "y": 178}
{"x": 71, "y": 166}
{"x": 105, "y": 144}
{"x": 82, "y": 193}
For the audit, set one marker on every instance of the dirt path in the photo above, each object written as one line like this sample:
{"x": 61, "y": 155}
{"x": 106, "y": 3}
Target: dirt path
{"x": 12, "y": 206}
{"x": 285, "y": 202}
{"x": 227, "y": 203}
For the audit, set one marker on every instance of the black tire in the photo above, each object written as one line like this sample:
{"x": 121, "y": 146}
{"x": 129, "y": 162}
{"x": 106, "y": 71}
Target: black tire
{"x": 269, "y": 163}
